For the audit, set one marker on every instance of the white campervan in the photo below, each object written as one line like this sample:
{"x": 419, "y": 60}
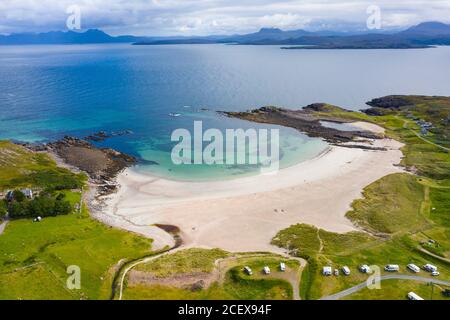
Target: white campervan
{"x": 413, "y": 268}
{"x": 392, "y": 268}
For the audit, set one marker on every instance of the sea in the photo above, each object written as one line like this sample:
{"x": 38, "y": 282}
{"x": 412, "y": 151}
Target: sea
{"x": 140, "y": 94}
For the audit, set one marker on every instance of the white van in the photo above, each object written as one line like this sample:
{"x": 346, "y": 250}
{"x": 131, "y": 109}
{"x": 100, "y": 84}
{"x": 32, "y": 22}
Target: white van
{"x": 430, "y": 268}
{"x": 413, "y": 296}
{"x": 413, "y": 268}
{"x": 392, "y": 268}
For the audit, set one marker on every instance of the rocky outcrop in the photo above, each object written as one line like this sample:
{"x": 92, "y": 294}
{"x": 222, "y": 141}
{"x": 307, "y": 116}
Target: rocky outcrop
{"x": 102, "y": 164}
{"x": 307, "y": 120}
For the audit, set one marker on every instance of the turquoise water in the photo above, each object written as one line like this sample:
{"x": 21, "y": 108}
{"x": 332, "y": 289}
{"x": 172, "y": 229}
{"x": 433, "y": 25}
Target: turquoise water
{"x": 47, "y": 92}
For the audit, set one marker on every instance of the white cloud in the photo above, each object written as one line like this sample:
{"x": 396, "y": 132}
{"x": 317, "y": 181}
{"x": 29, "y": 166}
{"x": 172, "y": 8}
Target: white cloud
{"x": 164, "y": 17}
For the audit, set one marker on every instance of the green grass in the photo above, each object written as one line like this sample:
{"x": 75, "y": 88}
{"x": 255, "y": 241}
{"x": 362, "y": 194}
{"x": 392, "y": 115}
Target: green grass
{"x": 390, "y": 205}
{"x": 243, "y": 288}
{"x": 22, "y": 168}
{"x": 186, "y": 261}
{"x": 56, "y": 243}
{"x": 399, "y": 289}
{"x": 306, "y": 240}
{"x": 440, "y": 200}
{"x": 302, "y": 238}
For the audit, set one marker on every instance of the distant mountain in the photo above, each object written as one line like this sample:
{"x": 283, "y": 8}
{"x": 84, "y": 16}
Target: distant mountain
{"x": 69, "y": 37}
{"x": 423, "y": 35}
{"x": 429, "y": 29}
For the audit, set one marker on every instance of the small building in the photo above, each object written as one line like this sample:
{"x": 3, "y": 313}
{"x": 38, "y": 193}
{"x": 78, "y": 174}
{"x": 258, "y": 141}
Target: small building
{"x": 346, "y": 270}
{"x": 430, "y": 268}
{"x": 283, "y": 266}
{"x": 327, "y": 271}
{"x": 392, "y": 268}
{"x": 365, "y": 268}
{"x": 413, "y": 268}
{"x": 413, "y": 296}
{"x": 266, "y": 270}
{"x": 27, "y": 193}
{"x": 248, "y": 271}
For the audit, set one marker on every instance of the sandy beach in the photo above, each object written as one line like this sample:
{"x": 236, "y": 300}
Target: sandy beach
{"x": 246, "y": 213}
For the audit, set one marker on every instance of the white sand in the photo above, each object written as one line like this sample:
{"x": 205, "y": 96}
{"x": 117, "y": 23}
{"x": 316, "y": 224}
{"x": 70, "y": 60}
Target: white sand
{"x": 367, "y": 126}
{"x": 246, "y": 213}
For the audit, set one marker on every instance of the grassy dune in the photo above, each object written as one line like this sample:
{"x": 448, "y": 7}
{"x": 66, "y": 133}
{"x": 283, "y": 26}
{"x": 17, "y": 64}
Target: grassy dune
{"x": 235, "y": 284}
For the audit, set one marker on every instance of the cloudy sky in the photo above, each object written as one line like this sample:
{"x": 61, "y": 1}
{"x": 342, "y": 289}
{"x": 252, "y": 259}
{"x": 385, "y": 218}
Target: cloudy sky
{"x": 201, "y": 17}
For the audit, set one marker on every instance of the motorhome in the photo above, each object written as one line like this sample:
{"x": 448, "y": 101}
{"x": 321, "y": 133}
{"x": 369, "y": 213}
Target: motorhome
{"x": 413, "y": 296}
{"x": 365, "y": 269}
{"x": 327, "y": 271}
{"x": 430, "y": 268}
{"x": 392, "y": 268}
{"x": 413, "y": 268}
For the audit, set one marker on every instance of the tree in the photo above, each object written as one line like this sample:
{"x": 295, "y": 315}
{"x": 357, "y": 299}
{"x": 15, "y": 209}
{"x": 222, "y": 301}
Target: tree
{"x": 18, "y": 196}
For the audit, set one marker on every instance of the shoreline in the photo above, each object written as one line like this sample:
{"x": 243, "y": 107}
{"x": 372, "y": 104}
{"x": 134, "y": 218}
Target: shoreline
{"x": 244, "y": 214}
{"x": 224, "y": 179}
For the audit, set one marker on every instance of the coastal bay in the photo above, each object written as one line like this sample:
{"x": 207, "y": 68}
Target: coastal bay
{"x": 244, "y": 214}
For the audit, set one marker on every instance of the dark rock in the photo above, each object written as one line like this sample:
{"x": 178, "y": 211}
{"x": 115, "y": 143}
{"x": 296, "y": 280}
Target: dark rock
{"x": 198, "y": 286}
{"x": 389, "y": 102}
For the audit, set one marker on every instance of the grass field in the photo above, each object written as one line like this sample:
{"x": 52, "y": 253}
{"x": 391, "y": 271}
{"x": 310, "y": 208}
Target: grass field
{"x": 391, "y": 204}
{"x": 34, "y": 256}
{"x": 190, "y": 260}
{"x": 399, "y": 289}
